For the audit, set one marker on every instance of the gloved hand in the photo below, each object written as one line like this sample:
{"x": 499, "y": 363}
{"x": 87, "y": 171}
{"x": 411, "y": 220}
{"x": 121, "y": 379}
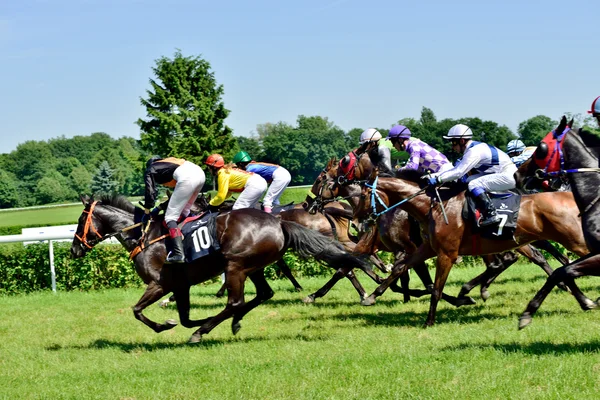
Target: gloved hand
{"x": 155, "y": 211}
{"x": 146, "y": 215}
{"x": 432, "y": 181}
{"x": 212, "y": 208}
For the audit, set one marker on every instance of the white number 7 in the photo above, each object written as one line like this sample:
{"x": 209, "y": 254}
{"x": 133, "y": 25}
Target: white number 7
{"x": 503, "y": 219}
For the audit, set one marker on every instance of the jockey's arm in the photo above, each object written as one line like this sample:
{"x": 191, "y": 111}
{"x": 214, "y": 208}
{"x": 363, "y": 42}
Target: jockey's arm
{"x": 413, "y": 160}
{"x": 150, "y": 191}
{"x": 468, "y": 162}
{"x": 386, "y": 156}
{"x": 223, "y": 192}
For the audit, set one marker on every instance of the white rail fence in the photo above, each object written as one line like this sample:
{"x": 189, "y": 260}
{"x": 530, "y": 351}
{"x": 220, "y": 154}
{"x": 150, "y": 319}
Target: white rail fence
{"x": 50, "y": 234}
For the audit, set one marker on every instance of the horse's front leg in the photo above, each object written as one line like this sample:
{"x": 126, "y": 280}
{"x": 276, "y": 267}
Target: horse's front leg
{"x": 444, "y": 264}
{"x": 339, "y": 274}
{"x": 234, "y": 279}
{"x": 153, "y": 293}
{"x": 589, "y": 265}
{"x": 263, "y": 293}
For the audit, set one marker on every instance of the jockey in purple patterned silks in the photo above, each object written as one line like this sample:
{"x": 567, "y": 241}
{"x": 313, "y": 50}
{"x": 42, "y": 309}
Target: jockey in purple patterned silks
{"x": 421, "y": 156}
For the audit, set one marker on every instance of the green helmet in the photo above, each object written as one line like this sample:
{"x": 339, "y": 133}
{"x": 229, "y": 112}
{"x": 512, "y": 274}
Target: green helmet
{"x": 242, "y": 156}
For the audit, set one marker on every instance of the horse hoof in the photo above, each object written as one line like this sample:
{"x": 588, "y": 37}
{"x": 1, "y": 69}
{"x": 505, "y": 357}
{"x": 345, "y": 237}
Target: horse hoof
{"x": 308, "y": 299}
{"x": 465, "y": 301}
{"x": 299, "y": 289}
{"x": 589, "y": 305}
{"x": 170, "y": 323}
{"x": 564, "y": 287}
{"x": 485, "y": 295}
{"x": 524, "y": 320}
{"x": 368, "y": 301}
{"x": 235, "y": 327}
{"x": 219, "y": 294}
{"x": 195, "y": 338}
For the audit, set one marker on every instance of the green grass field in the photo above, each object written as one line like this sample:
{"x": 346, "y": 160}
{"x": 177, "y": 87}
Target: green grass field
{"x": 69, "y": 214}
{"x": 81, "y": 345}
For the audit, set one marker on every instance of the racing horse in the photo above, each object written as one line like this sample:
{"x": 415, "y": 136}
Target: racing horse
{"x": 366, "y": 163}
{"x": 574, "y": 154}
{"x": 249, "y": 241}
{"x": 542, "y": 216}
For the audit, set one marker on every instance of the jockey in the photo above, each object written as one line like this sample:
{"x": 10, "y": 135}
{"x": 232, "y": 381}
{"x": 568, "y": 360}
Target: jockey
{"x": 277, "y": 177}
{"x": 373, "y": 135}
{"x": 230, "y": 179}
{"x": 595, "y": 110}
{"x": 186, "y": 179}
{"x": 493, "y": 170}
{"x": 421, "y": 156}
{"x": 518, "y": 153}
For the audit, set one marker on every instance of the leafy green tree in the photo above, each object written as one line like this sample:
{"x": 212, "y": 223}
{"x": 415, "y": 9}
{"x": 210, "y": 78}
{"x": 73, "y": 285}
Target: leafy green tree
{"x": 53, "y": 188}
{"x": 9, "y": 196}
{"x": 103, "y": 180}
{"x": 80, "y": 180}
{"x": 305, "y": 149}
{"x": 185, "y": 113}
{"x": 533, "y": 130}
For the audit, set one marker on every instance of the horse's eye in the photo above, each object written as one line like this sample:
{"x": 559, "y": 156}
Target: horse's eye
{"x": 542, "y": 151}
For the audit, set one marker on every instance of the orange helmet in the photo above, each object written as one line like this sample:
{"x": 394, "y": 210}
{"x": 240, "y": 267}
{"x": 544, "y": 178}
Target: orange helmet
{"x": 215, "y": 160}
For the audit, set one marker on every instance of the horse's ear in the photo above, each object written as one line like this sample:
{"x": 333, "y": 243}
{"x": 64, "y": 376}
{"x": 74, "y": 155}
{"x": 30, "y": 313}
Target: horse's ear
{"x": 345, "y": 161}
{"x": 85, "y": 199}
{"x": 561, "y": 126}
{"x": 570, "y": 124}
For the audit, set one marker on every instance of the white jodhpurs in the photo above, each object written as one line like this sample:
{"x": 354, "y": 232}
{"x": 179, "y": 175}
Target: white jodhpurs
{"x": 281, "y": 178}
{"x": 497, "y": 182}
{"x": 254, "y": 189}
{"x": 190, "y": 179}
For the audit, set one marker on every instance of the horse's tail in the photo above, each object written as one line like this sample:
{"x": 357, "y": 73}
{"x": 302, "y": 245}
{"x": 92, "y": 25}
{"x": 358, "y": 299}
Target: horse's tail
{"x": 307, "y": 242}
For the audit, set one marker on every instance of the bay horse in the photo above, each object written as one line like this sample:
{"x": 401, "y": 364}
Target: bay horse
{"x": 249, "y": 239}
{"x": 573, "y": 154}
{"x": 543, "y": 216}
{"x": 394, "y": 232}
{"x": 367, "y": 164}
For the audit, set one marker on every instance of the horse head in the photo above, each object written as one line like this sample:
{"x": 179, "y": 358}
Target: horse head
{"x": 541, "y": 171}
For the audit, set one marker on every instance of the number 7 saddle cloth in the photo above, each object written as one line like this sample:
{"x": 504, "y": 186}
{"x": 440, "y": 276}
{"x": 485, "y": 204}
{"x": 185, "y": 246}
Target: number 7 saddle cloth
{"x": 507, "y": 207}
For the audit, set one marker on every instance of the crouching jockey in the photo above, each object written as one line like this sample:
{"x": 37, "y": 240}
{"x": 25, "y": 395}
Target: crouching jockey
{"x": 421, "y": 156}
{"x": 493, "y": 170}
{"x": 276, "y": 176}
{"x": 230, "y": 179}
{"x": 186, "y": 179}
{"x": 373, "y": 135}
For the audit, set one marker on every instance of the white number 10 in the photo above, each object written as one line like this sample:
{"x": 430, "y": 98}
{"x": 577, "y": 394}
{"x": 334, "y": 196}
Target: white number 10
{"x": 201, "y": 238}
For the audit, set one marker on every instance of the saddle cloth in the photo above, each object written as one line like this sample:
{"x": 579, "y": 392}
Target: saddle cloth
{"x": 507, "y": 207}
{"x": 200, "y": 236}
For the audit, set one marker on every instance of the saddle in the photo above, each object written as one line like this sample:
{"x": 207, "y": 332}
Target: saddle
{"x": 507, "y": 208}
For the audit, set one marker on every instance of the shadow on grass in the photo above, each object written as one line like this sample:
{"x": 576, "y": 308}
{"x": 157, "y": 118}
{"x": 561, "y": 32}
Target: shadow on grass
{"x": 535, "y": 348}
{"x": 128, "y": 347}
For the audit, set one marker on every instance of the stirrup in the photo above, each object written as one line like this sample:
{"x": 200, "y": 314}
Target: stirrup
{"x": 174, "y": 259}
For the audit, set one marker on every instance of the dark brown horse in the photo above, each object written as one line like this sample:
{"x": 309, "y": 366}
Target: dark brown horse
{"x": 544, "y": 216}
{"x": 580, "y": 154}
{"x": 249, "y": 239}
{"x": 334, "y": 222}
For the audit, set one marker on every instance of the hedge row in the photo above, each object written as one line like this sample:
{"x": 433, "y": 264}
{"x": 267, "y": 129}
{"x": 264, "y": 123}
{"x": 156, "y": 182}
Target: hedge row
{"x": 25, "y": 269}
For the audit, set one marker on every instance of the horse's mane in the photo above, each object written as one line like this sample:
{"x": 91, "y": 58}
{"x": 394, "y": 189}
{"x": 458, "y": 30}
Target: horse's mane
{"x": 411, "y": 175}
{"x": 590, "y": 139}
{"x": 377, "y": 161}
{"x": 115, "y": 200}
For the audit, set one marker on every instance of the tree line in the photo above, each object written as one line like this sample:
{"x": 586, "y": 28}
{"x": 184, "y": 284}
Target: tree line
{"x": 185, "y": 117}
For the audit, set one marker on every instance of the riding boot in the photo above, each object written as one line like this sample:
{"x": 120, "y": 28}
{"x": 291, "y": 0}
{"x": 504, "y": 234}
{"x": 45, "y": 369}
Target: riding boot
{"x": 484, "y": 204}
{"x": 174, "y": 243}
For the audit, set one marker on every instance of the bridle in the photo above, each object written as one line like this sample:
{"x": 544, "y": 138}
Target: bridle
{"x": 89, "y": 226}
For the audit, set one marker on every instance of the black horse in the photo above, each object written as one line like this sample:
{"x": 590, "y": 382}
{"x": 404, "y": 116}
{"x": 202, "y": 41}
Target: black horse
{"x": 581, "y": 153}
{"x": 249, "y": 239}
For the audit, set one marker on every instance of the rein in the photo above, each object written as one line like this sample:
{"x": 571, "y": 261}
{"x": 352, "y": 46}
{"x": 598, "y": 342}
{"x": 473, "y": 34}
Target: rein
{"x": 374, "y": 196}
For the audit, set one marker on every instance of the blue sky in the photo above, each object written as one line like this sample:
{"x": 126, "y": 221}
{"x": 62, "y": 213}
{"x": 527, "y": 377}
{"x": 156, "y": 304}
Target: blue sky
{"x": 77, "y": 67}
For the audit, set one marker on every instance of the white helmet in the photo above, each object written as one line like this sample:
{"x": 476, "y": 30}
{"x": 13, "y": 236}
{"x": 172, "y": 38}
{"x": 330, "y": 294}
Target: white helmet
{"x": 515, "y": 146}
{"x": 370, "y": 135}
{"x": 459, "y": 131}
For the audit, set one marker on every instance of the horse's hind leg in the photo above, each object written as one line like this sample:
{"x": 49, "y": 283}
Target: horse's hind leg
{"x": 263, "y": 293}
{"x": 339, "y": 274}
{"x": 153, "y": 293}
{"x": 285, "y": 269}
{"x": 536, "y": 257}
{"x": 586, "y": 266}
{"x": 234, "y": 279}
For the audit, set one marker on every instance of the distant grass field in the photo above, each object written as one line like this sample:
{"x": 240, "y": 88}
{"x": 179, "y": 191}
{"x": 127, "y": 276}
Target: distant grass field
{"x": 81, "y": 345}
{"x": 69, "y": 214}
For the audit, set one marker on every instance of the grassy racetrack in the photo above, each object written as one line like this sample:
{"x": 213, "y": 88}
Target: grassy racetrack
{"x": 81, "y": 345}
